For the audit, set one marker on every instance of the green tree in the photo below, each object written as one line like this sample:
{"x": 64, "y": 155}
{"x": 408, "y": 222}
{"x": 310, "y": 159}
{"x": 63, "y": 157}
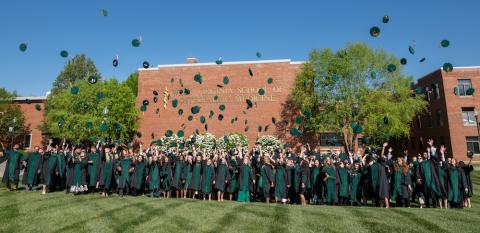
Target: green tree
{"x": 78, "y": 68}
{"x": 81, "y": 117}
{"x": 356, "y": 90}
{"x": 11, "y": 115}
{"x": 132, "y": 82}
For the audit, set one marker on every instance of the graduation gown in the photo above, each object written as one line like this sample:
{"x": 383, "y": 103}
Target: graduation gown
{"x": 468, "y": 169}
{"x": 47, "y": 172}
{"x": 457, "y": 185}
{"x": 331, "y": 172}
{"x": 153, "y": 178}
{"x": 186, "y": 175}
{"x": 208, "y": 176}
{"x": 245, "y": 178}
{"x": 431, "y": 185}
{"x": 233, "y": 172}
{"x": 221, "y": 177}
{"x": 30, "y": 175}
{"x": 94, "y": 168}
{"x": 107, "y": 171}
{"x": 166, "y": 177}
{"x": 305, "y": 179}
{"x": 343, "y": 181}
{"x": 400, "y": 183}
{"x": 123, "y": 168}
{"x": 177, "y": 176}
{"x": 266, "y": 179}
{"x": 383, "y": 184}
{"x": 79, "y": 172}
{"x": 355, "y": 182}
{"x": 138, "y": 176}
{"x": 195, "y": 182}
{"x": 281, "y": 182}
{"x": 12, "y": 167}
{"x": 316, "y": 181}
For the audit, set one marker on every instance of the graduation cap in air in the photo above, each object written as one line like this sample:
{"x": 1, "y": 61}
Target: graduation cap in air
{"x": 206, "y": 127}
{"x": 180, "y": 133}
{"x": 146, "y": 102}
{"x": 174, "y": 103}
{"x": 226, "y": 80}
{"x": 220, "y": 117}
{"x": 260, "y": 128}
{"x": 211, "y": 114}
{"x": 259, "y": 55}
{"x": 64, "y": 53}
{"x": 403, "y": 61}
{"x": 386, "y": 19}
{"x": 155, "y": 92}
{"x": 157, "y": 111}
{"x": 470, "y": 154}
{"x": 146, "y": 64}
{"x": 250, "y": 71}
{"x": 246, "y": 129}
{"x": 374, "y": 31}
{"x": 219, "y": 86}
{"x": 180, "y": 112}
{"x": 423, "y": 59}
{"x": 445, "y": 43}
{"x": 115, "y": 61}
{"x": 411, "y": 50}
{"x": 219, "y": 61}
{"x": 137, "y": 41}
{"x": 298, "y": 120}
{"x": 274, "y": 120}
{"x": 265, "y": 129}
{"x": 104, "y": 13}
{"x": 103, "y": 127}
{"x": 195, "y": 109}
{"x": 391, "y": 68}
{"x": 23, "y": 47}
{"x": 143, "y": 108}
{"x": 448, "y": 67}
{"x": 92, "y": 79}
{"x": 221, "y": 107}
{"x": 470, "y": 91}
{"x": 202, "y": 119}
{"x": 198, "y": 78}
{"x": 261, "y": 91}
{"x": 155, "y": 99}
{"x": 169, "y": 133}
{"x": 270, "y": 80}
{"x": 249, "y": 103}
{"x": 215, "y": 97}
{"x": 100, "y": 95}
{"x": 38, "y": 107}
{"x": 358, "y": 129}
{"x": 295, "y": 132}
{"x": 74, "y": 90}
{"x": 190, "y": 118}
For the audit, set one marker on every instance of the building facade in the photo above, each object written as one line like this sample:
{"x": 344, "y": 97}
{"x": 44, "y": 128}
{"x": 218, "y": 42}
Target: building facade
{"x": 33, "y": 119}
{"x": 451, "y": 116}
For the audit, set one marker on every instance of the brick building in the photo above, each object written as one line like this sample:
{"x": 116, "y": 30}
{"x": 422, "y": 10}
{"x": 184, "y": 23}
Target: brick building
{"x": 33, "y": 119}
{"x": 451, "y": 117}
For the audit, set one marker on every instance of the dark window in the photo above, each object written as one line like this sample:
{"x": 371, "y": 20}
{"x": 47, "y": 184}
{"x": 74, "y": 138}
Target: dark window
{"x": 463, "y": 86}
{"x": 330, "y": 139}
{"x": 436, "y": 91}
{"x": 468, "y": 115}
{"x": 439, "y": 117}
{"x": 473, "y": 144}
{"x": 430, "y": 120}
{"x": 419, "y": 122}
{"x": 27, "y": 141}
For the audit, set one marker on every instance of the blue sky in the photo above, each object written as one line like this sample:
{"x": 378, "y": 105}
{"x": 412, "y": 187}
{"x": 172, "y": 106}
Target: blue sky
{"x": 234, "y": 30}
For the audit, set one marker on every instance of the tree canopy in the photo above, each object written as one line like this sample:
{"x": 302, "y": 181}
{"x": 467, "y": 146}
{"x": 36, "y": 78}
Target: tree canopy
{"x": 9, "y": 112}
{"x": 78, "y": 68}
{"x": 356, "y": 90}
{"x": 132, "y": 82}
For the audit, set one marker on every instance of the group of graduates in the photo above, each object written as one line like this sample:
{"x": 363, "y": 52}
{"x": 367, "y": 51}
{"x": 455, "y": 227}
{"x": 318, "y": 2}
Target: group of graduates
{"x": 334, "y": 178}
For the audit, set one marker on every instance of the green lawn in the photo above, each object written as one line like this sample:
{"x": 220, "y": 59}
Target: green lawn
{"x": 58, "y": 212}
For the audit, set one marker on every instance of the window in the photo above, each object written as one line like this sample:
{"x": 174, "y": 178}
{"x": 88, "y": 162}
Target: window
{"x": 473, "y": 145}
{"x": 27, "y": 141}
{"x": 439, "y": 117}
{"x": 430, "y": 120}
{"x": 330, "y": 139}
{"x": 463, "y": 86}
{"x": 468, "y": 115}
{"x": 436, "y": 91}
{"x": 427, "y": 94}
{"x": 419, "y": 122}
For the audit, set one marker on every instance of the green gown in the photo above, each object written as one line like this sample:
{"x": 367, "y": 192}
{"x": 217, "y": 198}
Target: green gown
{"x": 123, "y": 180}
{"x": 454, "y": 193}
{"x": 355, "y": 178}
{"x": 93, "y": 169}
{"x": 330, "y": 170}
{"x": 12, "y": 170}
{"x": 33, "y": 164}
{"x": 343, "y": 182}
{"x": 281, "y": 182}
{"x": 154, "y": 177}
{"x": 107, "y": 172}
{"x": 177, "y": 181}
{"x": 195, "y": 183}
{"x": 208, "y": 177}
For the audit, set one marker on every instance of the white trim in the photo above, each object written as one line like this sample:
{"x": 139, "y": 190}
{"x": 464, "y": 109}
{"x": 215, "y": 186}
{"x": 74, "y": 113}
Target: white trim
{"x": 224, "y": 63}
{"x": 464, "y": 67}
{"x": 24, "y": 98}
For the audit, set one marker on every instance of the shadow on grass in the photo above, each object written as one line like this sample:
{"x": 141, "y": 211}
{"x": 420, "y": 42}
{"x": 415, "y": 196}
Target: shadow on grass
{"x": 429, "y": 226}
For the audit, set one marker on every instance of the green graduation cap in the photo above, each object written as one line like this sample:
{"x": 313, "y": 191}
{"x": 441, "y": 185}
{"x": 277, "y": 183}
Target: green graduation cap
{"x": 186, "y": 91}
{"x": 270, "y": 80}
{"x": 226, "y": 80}
{"x": 219, "y": 61}
{"x": 298, "y": 120}
{"x": 385, "y": 120}
{"x": 180, "y": 112}
{"x": 169, "y": 133}
{"x": 146, "y": 64}
{"x": 92, "y": 79}
{"x": 295, "y": 132}
{"x": 211, "y": 113}
{"x": 206, "y": 127}
{"x": 100, "y": 95}
{"x": 470, "y": 154}
{"x": 103, "y": 127}
{"x": 259, "y": 55}
{"x": 104, "y": 13}
{"x": 249, "y": 103}
{"x": 411, "y": 50}
{"x": 358, "y": 129}
{"x": 198, "y": 78}
{"x": 146, "y": 102}
{"x": 423, "y": 59}
{"x": 391, "y": 68}
{"x": 374, "y": 31}
{"x": 470, "y": 91}
{"x": 220, "y": 117}
{"x": 195, "y": 109}
{"x": 250, "y": 71}
{"x": 445, "y": 43}
{"x": 174, "y": 103}
{"x": 136, "y": 42}
{"x": 448, "y": 67}
{"x": 180, "y": 133}
{"x": 403, "y": 61}
{"x": 143, "y": 108}
{"x": 215, "y": 97}
{"x": 64, "y": 53}
{"x": 385, "y": 19}
{"x": 202, "y": 119}
{"x": 261, "y": 91}
{"x": 221, "y": 107}
{"x": 74, "y": 90}
{"x": 23, "y": 47}
{"x": 38, "y": 107}
{"x": 190, "y": 118}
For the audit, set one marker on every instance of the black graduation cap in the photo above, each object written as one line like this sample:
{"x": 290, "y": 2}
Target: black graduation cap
{"x": 198, "y": 78}
{"x": 158, "y": 110}
{"x": 195, "y": 109}
{"x": 23, "y": 47}
{"x": 391, "y": 68}
{"x": 28, "y": 101}
{"x": 146, "y": 102}
{"x": 38, "y": 107}
{"x": 274, "y": 121}
{"x": 385, "y": 19}
{"x": 259, "y": 128}
{"x": 374, "y": 31}
{"x": 246, "y": 121}
{"x": 445, "y": 43}
{"x": 250, "y": 72}
{"x": 220, "y": 117}
{"x": 258, "y": 54}
{"x": 411, "y": 50}
{"x": 92, "y": 79}
{"x": 265, "y": 129}
{"x": 186, "y": 91}
{"x": 180, "y": 111}
{"x": 155, "y": 92}
{"x": 155, "y": 99}
{"x": 249, "y": 104}
{"x": 64, "y": 53}
{"x": 146, "y": 65}
{"x": 423, "y": 59}
{"x": 246, "y": 129}
{"x": 403, "y": 61}
{"x": 448, "y": 67}
{"x": 219, "y": 61}
{"x": 226, "y": 80}
{"x": 206, "y": 127}
{"x": 219, "y": 86}
{"x": 190, "y": 118}
{"x": 261, "y": 91}
{"x": 221, "y": 107}
{"x": 385, "y": 120}
{"x": 270, "y": 80}
{"x": 74, "y": 90}
{"x": 115, "y": 61}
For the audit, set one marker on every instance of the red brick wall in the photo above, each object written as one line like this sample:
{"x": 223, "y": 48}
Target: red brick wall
{"x": 33, "y": 119}
{"x": 232, "y": 95}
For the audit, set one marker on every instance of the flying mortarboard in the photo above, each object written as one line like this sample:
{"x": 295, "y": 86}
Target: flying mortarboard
{"x": 174, "y": 103}
{"x": 220, "y": 117}
{"x": 180, "y": 111}
{"x": 104, "y": 13}
{"x": 92, "y": 79}
{"x": 391, "y": 68}
{"x": 195, "y": 109}
{"x": 445, "y": 43}
{"x": 374, "y": 31}
{"x": 270, "y": 80}
{"x": 403, "y": 61}
{"x": 23, "y": 47}
{"x": 423, "y": 59}
{"x": 249, "y": 103}
{"x": 250, "y": 71}
{"x": 259, "y": 55}
{"x": 198, "y": 78}
{"x": 219, "y": 61}
{"x": 261, "y": 91}
{"x": 146, "y": 65}
{"x": 74, "y": 90}
{"x": 448, "y": 67}
{"x": 221, "y": 107}
{"x": 64, "y": 53}
{"x": 226, "y": 80}
{"x": 146, "y": 102}
{"x": 38, "y": 107}
{"x": 385, "y": 19}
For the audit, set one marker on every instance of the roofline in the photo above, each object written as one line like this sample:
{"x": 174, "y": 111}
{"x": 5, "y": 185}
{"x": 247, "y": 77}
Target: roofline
{"x": 25, "y": 98}
{"x": 224, "y": 63}
{"x": 455, "y": 67}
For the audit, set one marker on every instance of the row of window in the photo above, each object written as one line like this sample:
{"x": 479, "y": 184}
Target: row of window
{"x": 468, "y": 117}
{"x": 463, "y": 85}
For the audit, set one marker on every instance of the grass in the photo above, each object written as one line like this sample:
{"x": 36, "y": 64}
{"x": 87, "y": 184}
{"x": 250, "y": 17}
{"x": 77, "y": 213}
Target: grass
{"x": 58, "y": 212}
